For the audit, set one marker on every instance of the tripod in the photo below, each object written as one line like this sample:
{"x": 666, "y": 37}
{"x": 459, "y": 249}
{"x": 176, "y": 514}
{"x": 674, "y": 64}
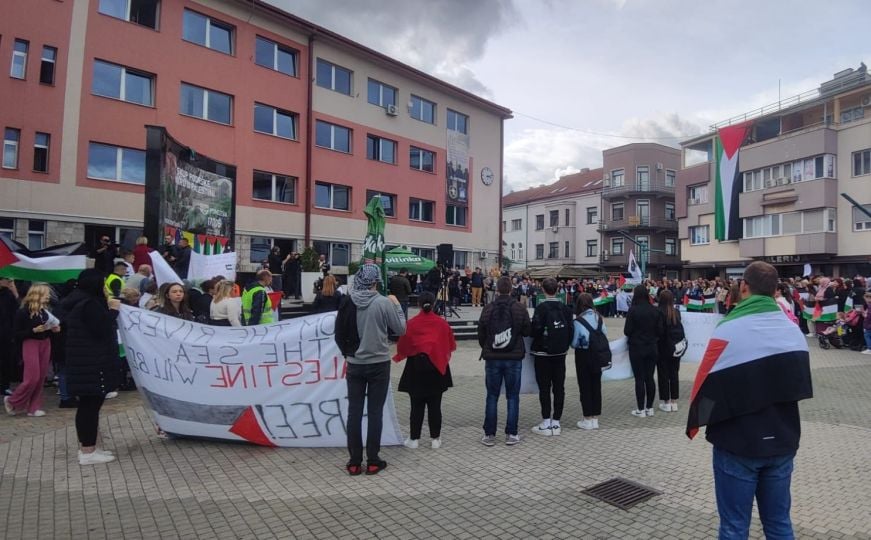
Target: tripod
{"x": 447, "y": 310}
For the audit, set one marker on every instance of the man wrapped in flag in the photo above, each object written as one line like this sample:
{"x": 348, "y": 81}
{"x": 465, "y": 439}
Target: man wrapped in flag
{"x": 754, "y": 372}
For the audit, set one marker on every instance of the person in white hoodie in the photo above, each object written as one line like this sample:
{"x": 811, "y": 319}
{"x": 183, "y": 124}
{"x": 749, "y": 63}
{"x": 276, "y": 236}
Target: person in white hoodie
{"x": 368, "y": 371}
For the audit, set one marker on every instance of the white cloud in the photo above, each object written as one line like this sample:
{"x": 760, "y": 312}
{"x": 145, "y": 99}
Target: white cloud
{"x": 541, "y": 156}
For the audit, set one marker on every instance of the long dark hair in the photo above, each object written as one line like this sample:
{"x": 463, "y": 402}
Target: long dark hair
{"x": 666, "y": 306}
{"x": 426, "y": 301}
{"x": 640, "y": 296}
{"x": 583, "y": 303}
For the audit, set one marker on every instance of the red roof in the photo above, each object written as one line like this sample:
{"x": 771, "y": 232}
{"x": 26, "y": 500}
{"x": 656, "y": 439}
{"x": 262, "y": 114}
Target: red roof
{"x": 570, "y": 184}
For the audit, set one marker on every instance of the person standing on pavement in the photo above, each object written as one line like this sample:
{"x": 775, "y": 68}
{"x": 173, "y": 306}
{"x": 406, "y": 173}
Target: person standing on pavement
{"x": 401, "y": 289}
{"x": 501, "y": 329}
{"x": 644, "y": 329}
{"x": 91, "y": 359}
{"x": 256, "y": 305}
{"x": 668, "y": 363}
{"x": 750, "y": 407}
{"x": 588, "y": 371}
{"x": 476, "y": 282}
{"x": 33, "y": 327}
{"x": 182, "y": 258}
{"x": 552, "y": 333}
{"x": 8, "y": 307}
{"x": 276, "y": 266}
{"x": 115, "y": 281}
{"x": 104, "y": 255}
{"x": 368, "y": 371}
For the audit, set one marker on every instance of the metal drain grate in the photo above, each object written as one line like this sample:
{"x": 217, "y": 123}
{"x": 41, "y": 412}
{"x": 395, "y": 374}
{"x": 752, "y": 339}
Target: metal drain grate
{"x": 622, "y": 493}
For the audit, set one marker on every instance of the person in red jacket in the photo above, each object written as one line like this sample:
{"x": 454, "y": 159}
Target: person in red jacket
{"x": 427, "y": 344}
{"x": 141, "y": 253}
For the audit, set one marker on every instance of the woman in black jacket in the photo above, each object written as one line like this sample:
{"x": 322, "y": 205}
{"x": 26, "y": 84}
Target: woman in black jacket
{"x": 174, "y": 302}
{"x": 92, "y": 358}
{"x": 668, "y": 365}
{"x": 644, "y": 328}
{"x": 327, "y": 298}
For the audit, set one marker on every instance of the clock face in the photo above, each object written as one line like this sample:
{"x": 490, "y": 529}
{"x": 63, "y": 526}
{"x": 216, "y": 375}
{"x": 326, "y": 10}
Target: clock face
{"x": 487, "y": 176}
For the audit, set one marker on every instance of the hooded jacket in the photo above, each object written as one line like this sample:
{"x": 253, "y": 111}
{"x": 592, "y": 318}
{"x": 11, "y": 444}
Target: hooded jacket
{"x": 376, "y": 315}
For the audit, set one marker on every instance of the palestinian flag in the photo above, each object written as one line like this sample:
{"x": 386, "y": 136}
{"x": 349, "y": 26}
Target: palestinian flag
{"x": 755, "y": 358}
{"x": 694, "y": 304}
{"x": 603, "y": 299}
{"x": 727, "y": 224}
{"x": 710, "y": 301}
{"x": 56, "y": 264}
{"x": 825, "y": 311}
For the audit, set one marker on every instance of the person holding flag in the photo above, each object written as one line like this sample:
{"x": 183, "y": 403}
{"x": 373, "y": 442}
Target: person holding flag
{"x": 754, "y": 372}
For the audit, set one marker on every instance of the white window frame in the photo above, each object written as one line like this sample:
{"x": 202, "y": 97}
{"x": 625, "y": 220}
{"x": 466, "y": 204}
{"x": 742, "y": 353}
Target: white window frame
{"x": 332, "y": 145}
{"x": 592, "y": 219}
{"x": 618, "y": 173}
{"x": 41, "y": 146}
{"x": 119, "y": 162}
{"x": 863, "y": 224}
{"x": 44, "y": 61}
{"x": 694, "y": 238}
{"x": 206, "y": 93}
{"x": 698, "y": 191}
{"x": 517, "y": 224}
{"x": 539, "y": 222}
{"x": 622, "y": 207}
{"x": 420, "y": 203}
{"x": 14, "y": 145}
{"x": 520, "y": 251}
{"x": 274, "y": 178}
{"x": 553, "y": 250}
{"x": 38, "y": 234}
{"x": 864, "y": 157}
{"x": 379, "y": 141}
{"x": 594, "y": 252}
{"x": 451, "y": 217}
{"x": 421, "y": 152}
{"x": 275, "y": 48}
{"x": 646, "y": 170}
{"x": 616, "y": 241}
{"x": 670, "y": 177}
{"x": 209, "y": 23}
{"x": 332, "y": 86}
{"x": 513, "y": 252}
{"x": 671, "y": 246}
{"x": 332, "y": 205}
{"x": 539, "y": 252}
{"x": 122, "y": 90}
{"x": 381, "y": 86}
{"x": 128, "y": 7}
{"x": 422, "y": 101}
{"x": 22, "y": 57}
{"x": 673, "y": 212}
{"x": 394, "y": 200}
{"x": 452, "y": 125}
{"x": 276, "y": 112}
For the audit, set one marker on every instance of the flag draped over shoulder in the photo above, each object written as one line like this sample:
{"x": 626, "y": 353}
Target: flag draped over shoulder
{"x": 56, "y": 264}
{"x": 755, "y": 358}
{"x": 726, "y": 145}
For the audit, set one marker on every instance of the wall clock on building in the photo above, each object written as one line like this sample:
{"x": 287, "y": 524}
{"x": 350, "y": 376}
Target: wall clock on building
{"x": 487, "y": 176}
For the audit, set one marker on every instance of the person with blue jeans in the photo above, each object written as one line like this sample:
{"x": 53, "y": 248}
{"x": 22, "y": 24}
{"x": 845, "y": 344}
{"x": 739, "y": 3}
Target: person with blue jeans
{"x": 501, "y": 329}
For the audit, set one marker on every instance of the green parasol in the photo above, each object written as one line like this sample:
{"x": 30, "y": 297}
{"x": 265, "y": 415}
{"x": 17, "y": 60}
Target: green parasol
{"x": 373, "y": 243}
{"x": 400, "y": 257}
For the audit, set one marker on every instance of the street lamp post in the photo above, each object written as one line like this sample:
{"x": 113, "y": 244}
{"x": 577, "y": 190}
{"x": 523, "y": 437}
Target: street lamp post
{"x": 643, "y": 251}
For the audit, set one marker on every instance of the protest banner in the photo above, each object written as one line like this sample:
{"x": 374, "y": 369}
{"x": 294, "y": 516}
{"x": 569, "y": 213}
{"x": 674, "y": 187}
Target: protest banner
{"x": 281, "y": 384}
{"x": 208, "y": 266}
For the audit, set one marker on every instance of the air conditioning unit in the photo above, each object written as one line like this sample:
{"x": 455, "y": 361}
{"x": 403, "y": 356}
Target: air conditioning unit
{"x": 603, "y": 226}
{"x": 693, "y": 201}
{"x": 605, "y": 255}
{"x": 659, "y": 166}
{"x": 607, "y": 176}
{"x": 769, "y": 183}
{"x": 554, "y": 228}
{"x": 482, "y": 254}
{"x": 866, "y": 101}
{"x": 391, "y": 110}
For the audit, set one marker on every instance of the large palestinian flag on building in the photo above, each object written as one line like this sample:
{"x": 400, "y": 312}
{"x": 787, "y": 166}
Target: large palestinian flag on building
{"x": 727, "y": 224}
{"x": 755, "y": 358}
{"x": 56, "y": 264}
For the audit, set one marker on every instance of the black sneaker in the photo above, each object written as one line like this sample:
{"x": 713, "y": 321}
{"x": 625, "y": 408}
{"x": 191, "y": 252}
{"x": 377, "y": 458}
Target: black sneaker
{"x": 375, "y": 467}
{"x": 71, "y": 403}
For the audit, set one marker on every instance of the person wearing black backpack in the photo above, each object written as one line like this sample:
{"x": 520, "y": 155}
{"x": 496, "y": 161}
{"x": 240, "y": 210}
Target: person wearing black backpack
{"x": 645, "y": 327}
{"x": 668, "y": 363}
{"x": 501, "y": 329}
{"x": 592, "y": 356}
{"x": 552, "y": 334}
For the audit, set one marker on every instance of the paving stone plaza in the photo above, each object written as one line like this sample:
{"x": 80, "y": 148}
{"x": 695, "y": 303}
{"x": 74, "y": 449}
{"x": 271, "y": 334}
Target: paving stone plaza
{"x": 198, "y": 489}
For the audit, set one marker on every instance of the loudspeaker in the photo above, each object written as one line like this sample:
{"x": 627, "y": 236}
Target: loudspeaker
{"x": 445, "y": 255}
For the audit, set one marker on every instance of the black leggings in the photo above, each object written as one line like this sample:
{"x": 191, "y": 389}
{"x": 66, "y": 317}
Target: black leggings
{"x": 589, "y": 383}
{"x": 433, "y": 405}
{"x": 667, "y": 367}
{"x": 550, "y": 374}
{"x": 643, "y": 365}
{"x": 88, "y": 419}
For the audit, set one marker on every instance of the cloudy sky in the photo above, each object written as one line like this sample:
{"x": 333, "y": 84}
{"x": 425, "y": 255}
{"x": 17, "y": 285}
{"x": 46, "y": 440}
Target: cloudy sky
{"x": 585, "y": 75}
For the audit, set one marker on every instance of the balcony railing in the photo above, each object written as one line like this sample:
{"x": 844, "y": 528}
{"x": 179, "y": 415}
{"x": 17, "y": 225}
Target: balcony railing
{"x": 653, "y": 258}
{"x": 659, "y": 188}
{"x": 638, "y": 222}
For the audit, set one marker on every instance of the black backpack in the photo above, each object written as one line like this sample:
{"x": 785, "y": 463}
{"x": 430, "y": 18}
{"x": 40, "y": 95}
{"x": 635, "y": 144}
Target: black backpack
{"x": 500, "y": 330}
{"x": 558, "y": 329}
{"x": 347, "y": 337}
{"x": 599, "y": 346}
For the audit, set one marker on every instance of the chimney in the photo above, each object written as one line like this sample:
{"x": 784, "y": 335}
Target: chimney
{"x": 585, "y": 170}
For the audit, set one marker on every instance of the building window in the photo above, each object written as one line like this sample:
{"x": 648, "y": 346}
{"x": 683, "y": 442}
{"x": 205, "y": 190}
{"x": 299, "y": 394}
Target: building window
{"x": 643, "y": 241}
{"x": 332, "y": 196}
{"x": 670, "y": 246}
{"x": 861, "y": 220}
{"x": 539, "y": 251}
{"x": 388, "y": 201}
{"x": 46, "y": 67}
{"x": 617, "y": 178}
{"x": 568, "y": 217}
{"x": 592, "y": 215}
{"x": 207, "y": 32}
{"x": 7, "y": 228}
{"x": 461, "y": 259}
{"x": 670, "y": 177}
{"x": 852, "y": 114}
{"x": 455, "y": 215}
{"x": 669, "y": 211}
{"x": 520, "y": 251}
{"x": 420, "y": 210}
{"x": 513, "y": 252}
{"x": 206, "y": 104}
{"x": 516, "y": 224}
{"x": 616, "y": 246}
{"x": 861, "y": 162}
{"x": 334, "y": 137}
{"x": 642, "y": 176}
{"x": 697, "y": 195}
{"x": 119, "y": 82}
{"x": 274, "y": 56}
{"x": 592, "y": 248}
{"x": 142, "y": 12}
{"x": 380, "y": 149}
{"x": 423, "y": 110}
{"x": 539, "y": 222}
{"x": 422, "y": 160}
{"x": 426, "y": 253}
{"x": 381, "y": 94}
{"x": 566, "y": 250}
{"x": 699, "y": 235}
{"x": 19, "y": 59}
{"x": 333, "y": 77}
{"x": 107, "y": 162}
{"x": 617, "y": 211}
{"x": 35, "y": 234}
{"x": 40, "y": 151}
{"x": 554, "y": 218}
{"x": 338, "y": 254}
{"x": 11, "y": 137}
{"x": 458, "y": 121}
{"x": 272, "y": 121}
{"x": 553, "y": 250}
{"x": 274, "y": 187}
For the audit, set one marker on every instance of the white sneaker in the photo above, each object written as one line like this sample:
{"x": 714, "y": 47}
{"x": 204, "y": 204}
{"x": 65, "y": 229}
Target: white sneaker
{"x": 511, "y": 440}
{"x": 664, "y": 407}
{"x": 595, "y": 423}
{"x": 9, "y": 409}
{"x": 673, "y": 407}
{"x": 555, "y": 429}
{"x": 111, "y": 395}
{"x": 436, "y": 444}
{"x": 638, "y": 413}
{"x": 542, "y": 429}
{"x": 38, "y": 412}
{"x": 866, "y": 351}
{"x": 411, "y": 443}
{"x": 810, "y": 334}
{"x": 94, "y": 458}
{"x": 105, "y": 452}
{"x": 587, "y": 424}
{"x": 648, "y": 412}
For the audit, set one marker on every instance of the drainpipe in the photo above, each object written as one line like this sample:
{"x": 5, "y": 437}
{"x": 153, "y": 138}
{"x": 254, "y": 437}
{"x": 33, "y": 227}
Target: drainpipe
{"x": 501, "y": 188}
{"x": 308, "y": 142}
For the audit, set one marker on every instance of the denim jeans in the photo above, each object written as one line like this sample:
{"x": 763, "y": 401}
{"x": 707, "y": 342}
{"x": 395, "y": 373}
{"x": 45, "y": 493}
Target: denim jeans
{"x": 62, "y": 383}
{"x": 366, "y": 381}
{"x": 868, "y": 338}
{"x": 495, "y": 373}
{"x": 738, "y": 480}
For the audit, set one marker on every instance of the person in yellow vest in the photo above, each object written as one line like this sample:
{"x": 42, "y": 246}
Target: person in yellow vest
{"x": 115, "y": 281}
{"x": 256, "y": 306}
